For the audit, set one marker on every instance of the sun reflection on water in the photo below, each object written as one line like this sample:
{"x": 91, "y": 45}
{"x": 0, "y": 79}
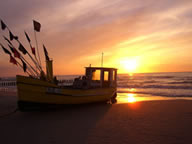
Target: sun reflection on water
{"x": 127, "y": 98}
{"x": 131, "y": 98}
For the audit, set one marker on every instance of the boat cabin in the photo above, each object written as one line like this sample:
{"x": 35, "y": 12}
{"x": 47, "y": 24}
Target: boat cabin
{"x": 96, "y": 77}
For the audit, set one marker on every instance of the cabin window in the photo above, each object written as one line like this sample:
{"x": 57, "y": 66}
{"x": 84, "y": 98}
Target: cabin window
{"x": 114, "y": 75}
{"x": 106, "y": 75}
{"x": 96, "y": 75}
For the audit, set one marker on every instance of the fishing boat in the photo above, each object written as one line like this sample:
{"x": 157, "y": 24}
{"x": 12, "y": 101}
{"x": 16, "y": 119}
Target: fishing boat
{"x": 40, "y": 89}
{"x": 97, "y": 85}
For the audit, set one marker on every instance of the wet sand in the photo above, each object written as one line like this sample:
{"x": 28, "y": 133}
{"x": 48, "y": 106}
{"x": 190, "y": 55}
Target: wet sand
{"x": 163, "y": 121}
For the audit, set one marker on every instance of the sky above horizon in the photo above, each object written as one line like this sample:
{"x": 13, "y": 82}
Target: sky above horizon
{"x": 135, "y": 36}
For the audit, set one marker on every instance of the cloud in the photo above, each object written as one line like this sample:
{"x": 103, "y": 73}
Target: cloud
{"x": 80, "y": 28}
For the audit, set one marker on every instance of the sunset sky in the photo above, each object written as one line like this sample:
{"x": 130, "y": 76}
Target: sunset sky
{"x": 135, "y": 36}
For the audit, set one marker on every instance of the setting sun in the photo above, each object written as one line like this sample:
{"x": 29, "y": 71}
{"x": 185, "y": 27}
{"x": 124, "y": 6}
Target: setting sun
{"x": 129, "y": 65}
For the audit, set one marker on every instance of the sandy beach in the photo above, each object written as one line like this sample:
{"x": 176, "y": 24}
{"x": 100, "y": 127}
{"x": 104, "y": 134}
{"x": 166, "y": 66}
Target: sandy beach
{"x": 163, "y": 121}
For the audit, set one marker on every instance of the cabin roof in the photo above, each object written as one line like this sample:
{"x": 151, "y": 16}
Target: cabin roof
{"x": 101, "y": 68}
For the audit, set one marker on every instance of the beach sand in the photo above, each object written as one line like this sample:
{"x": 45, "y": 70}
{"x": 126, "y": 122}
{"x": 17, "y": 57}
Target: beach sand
{"x": 158, "y": 122}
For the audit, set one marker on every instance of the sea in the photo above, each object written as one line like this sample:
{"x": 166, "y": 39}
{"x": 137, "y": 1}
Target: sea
{"x": 137, "y": 87}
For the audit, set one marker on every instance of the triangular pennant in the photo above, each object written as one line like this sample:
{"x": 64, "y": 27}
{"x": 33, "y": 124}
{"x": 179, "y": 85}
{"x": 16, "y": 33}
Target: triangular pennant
{"x": 27, "y": 37}
{"x": 15, "y": 52}
{"x": 22, "y": 49}
{"x": 12, "y": 36}
{"x": 46, "y": 53}
{"x": 33, "y": 50}
{"x": 37, "y": 26}
{"x": 12, "y": 60}
{"x": 3, "y": 25}
{"x": 5, "y": 50}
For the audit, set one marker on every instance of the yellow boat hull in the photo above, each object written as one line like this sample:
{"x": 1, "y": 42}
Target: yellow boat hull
{"x": 32, "y": 90}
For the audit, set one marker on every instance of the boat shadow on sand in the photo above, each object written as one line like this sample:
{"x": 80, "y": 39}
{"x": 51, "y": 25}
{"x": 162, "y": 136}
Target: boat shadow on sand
{"x": 66, "y": 124}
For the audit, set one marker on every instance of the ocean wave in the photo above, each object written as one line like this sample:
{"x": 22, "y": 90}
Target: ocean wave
{"x": 146, "y": 77}
{"x": 181, "y": 82}
{"x": 158, "y": 93}
{"x": 155, "y": 86}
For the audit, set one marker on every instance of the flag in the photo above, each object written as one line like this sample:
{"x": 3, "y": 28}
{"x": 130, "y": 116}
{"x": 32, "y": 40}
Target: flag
{"x": 3, "y": 26}
{"x": 15, "y": 52}
{"x": 37, "y": 26}
{"x": 12, "y": 60}
{"x": 24, "y": 66}
{"x": 22, "y": 49}
{"x": 11, "y": 48}
{"x": 27, "y": 37}
{"x": 33, "y": 50}
{"x": 12, "y": 36}
{"x": 7, "y": 40}
{"x": 46, "y": 53}
{"x": 5, "y": 50}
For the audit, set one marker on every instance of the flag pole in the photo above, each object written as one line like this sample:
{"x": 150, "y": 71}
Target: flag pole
{"x": 12, "y": 57}
{"x": 30, "y": 67}
{"x": 37, "y": 64}
{"x": 102, "y": 59}
{"x": 26, "y": 71}
{"x": 23, "y": 58}
{"x": 26, "y": 60}
{"x": 16, "y": 38}
{"x": 35, "y": 55}
{"x": 40, "y": 69}
{"x": 37, "y": 49}
{"x": 22, "y": 68}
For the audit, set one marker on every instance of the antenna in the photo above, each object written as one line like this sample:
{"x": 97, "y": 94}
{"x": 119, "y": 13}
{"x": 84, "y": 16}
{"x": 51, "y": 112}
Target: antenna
{"x": 102, "y": 59}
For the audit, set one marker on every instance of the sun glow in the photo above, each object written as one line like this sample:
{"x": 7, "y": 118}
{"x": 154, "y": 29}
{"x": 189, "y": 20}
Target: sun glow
{"x": 131, "y": 98}
{"x": 129, "y": 65}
